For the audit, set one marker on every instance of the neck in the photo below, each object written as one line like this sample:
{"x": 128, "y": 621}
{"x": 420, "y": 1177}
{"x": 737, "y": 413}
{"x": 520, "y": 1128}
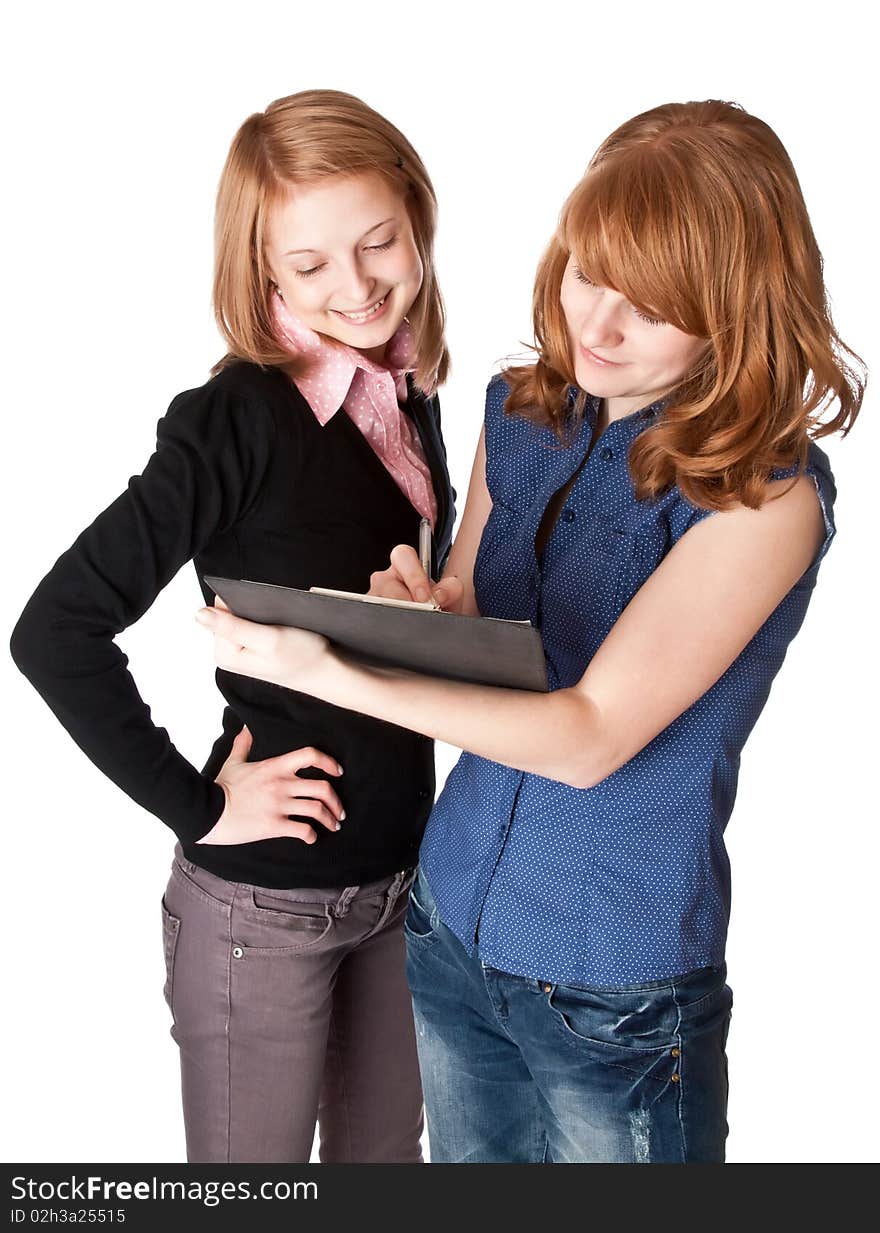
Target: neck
{"x": 376, "y": 354}
{"x": 611, "y": 409}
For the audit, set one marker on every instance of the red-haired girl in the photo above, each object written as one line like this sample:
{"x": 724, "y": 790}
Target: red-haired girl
{"x": 647, "y": 493}
{"x": 311, "y": 452}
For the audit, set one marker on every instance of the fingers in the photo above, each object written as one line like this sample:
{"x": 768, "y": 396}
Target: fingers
{"x": 296, "y": 789}
{"x": 385, "y": 582}
{"x": 294, "y": 830}
{"x": 302, "y": 807}
{"x": 409, "y": 568}
{"x": 295, "y": 761}
{"x": 241, "y": 746}
{"x": 247, "y": 635}
{"x": 449, "y": 592}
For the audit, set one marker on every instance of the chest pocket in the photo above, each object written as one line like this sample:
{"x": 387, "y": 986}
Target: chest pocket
{"x": 586, "y": 575}
{"x": 590, "y": 579}
{"x": 649, "y": 545}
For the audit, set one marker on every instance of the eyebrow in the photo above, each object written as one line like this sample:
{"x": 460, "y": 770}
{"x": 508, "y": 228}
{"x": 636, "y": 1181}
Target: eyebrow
{"x": 293, "y": 252}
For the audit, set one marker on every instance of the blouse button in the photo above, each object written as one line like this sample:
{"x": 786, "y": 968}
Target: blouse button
{"x": 568, "y": 515}
{"x": 606, "y": 454}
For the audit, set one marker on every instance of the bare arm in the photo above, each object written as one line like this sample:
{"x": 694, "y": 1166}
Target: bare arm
{"x": 679, "y": 634}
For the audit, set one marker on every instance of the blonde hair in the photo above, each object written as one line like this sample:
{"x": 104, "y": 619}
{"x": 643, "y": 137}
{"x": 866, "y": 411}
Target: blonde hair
{"x": 302, "y": 139}
{"x": 693, "y": 211}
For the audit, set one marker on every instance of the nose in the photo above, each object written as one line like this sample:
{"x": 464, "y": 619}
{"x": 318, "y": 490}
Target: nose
{"x": 356, "y": 287}
{"x": 601, "y": 325}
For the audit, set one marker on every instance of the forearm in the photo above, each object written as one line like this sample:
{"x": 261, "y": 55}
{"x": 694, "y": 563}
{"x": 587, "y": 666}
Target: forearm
{"x": 63, "y": 643}
{"x": 557, "y": 735}
{"x": 195, "y": 483}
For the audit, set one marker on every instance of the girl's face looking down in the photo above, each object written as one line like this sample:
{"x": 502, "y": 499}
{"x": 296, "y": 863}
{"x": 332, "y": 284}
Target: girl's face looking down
{"x": 343, "y": 256}
{"x": 619, "y": 353}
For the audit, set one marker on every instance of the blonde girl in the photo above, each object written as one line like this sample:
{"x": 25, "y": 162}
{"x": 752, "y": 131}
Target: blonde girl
{"x": 311, "y": 452}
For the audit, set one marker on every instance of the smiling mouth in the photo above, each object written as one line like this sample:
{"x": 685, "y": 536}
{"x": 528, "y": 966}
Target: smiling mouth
{"x": 597, "y": 359}
{"x": 367, "y": 312}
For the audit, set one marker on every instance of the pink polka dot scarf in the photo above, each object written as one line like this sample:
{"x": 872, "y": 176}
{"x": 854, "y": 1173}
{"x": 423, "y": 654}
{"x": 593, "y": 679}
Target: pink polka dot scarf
{"x": 340, "y": 376}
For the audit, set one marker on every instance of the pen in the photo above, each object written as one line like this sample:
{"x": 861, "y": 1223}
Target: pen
{"x": 425, "y": 552}
{"x": 425, "y": 546}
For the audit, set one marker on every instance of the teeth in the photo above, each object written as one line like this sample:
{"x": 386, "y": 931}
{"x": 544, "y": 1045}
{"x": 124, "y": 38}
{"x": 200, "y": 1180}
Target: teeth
{"x": 363, "y": 316}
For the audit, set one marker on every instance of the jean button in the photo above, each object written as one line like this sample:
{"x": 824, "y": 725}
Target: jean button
{"x": 676, "y": 1078}
{"x": 545, "y": 988}
{"x": 237, "y": 952}
{"x": 675, "y": 1052}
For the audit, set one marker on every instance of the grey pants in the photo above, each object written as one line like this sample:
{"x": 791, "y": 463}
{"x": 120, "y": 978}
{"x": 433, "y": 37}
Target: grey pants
{"x": 291, "y": 1007}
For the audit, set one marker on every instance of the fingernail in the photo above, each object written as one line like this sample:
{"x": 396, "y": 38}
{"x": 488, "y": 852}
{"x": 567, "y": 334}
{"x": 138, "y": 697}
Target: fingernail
{"x": 337, "y": 827}
{"x": 423, "y": 594}
{"x": 203, "y": 617}
{"x": 338, "y": 769}
{"x": 342, "y": 815}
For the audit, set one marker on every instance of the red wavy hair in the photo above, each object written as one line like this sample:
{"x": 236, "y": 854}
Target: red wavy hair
{"x": 694, "y": 213}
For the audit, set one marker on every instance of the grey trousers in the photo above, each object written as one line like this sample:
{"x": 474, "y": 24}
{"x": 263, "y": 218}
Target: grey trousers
{"x": 291, "y": 1007}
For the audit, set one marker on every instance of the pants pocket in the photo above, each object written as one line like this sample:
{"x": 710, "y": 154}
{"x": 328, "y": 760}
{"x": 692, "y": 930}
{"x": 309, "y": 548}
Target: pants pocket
{"x": 635, "y": 1030}
{"x": 422, "y": 917}
{"x": 267, "y": 924}
{"x": 170, "y": 933}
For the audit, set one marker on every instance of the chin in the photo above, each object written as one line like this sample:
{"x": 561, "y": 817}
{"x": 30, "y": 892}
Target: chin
{"x": 597, "y": 384}
{"x": 370, "y": 336}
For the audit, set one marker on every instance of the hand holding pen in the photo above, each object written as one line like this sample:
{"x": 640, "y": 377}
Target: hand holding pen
{"x": 409, "y": 576}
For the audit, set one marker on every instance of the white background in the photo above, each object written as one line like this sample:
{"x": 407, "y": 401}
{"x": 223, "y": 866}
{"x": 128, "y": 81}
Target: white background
{"x": 116, "y": 124}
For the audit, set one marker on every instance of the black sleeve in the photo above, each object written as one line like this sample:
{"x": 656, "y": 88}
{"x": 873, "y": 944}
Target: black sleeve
{"x": 435, "y": 408}
{"x": 453, "y": 495}
{"x": 212, "y": 454}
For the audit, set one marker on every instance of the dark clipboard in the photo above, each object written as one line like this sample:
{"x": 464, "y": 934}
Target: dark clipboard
{"x": 481, "y": 650}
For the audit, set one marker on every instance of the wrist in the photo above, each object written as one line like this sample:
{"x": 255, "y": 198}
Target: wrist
{"x": 317, "y": 677}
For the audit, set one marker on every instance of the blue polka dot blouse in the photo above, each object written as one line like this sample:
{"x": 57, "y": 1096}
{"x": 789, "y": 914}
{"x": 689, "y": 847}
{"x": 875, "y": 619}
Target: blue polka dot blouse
{"x": 627, "y": 881}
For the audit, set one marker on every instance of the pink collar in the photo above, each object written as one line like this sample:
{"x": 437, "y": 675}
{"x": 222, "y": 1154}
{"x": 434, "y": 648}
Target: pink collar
{"x": 333, "y": 365}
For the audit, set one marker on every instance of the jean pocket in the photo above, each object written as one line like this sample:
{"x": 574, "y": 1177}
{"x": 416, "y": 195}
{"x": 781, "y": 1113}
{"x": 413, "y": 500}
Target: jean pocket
{"x": 632, "y": 1028}
{"x": 170, "y": 934}
{"x": 422, "y": 917}
{"x": 267, "y": 924}
{"x": 195, "y": 882}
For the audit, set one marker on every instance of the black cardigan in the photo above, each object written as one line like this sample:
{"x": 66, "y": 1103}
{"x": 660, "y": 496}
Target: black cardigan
{"x": 247, "y": 484}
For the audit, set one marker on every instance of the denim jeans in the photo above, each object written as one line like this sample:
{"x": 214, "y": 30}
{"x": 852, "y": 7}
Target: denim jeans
{"x": 522, "y": 1070}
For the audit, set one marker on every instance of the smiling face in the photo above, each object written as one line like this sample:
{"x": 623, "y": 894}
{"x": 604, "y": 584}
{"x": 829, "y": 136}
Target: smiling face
{"x": 619, "y": 353}
{"x": 344, "y": 258}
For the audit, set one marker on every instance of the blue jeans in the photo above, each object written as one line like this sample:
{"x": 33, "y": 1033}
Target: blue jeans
{"x": 522, "y": 1070}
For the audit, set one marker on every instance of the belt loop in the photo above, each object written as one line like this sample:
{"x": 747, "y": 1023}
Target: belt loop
{"x": 391, "y": 896}
{"x": 343, "y": 903}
